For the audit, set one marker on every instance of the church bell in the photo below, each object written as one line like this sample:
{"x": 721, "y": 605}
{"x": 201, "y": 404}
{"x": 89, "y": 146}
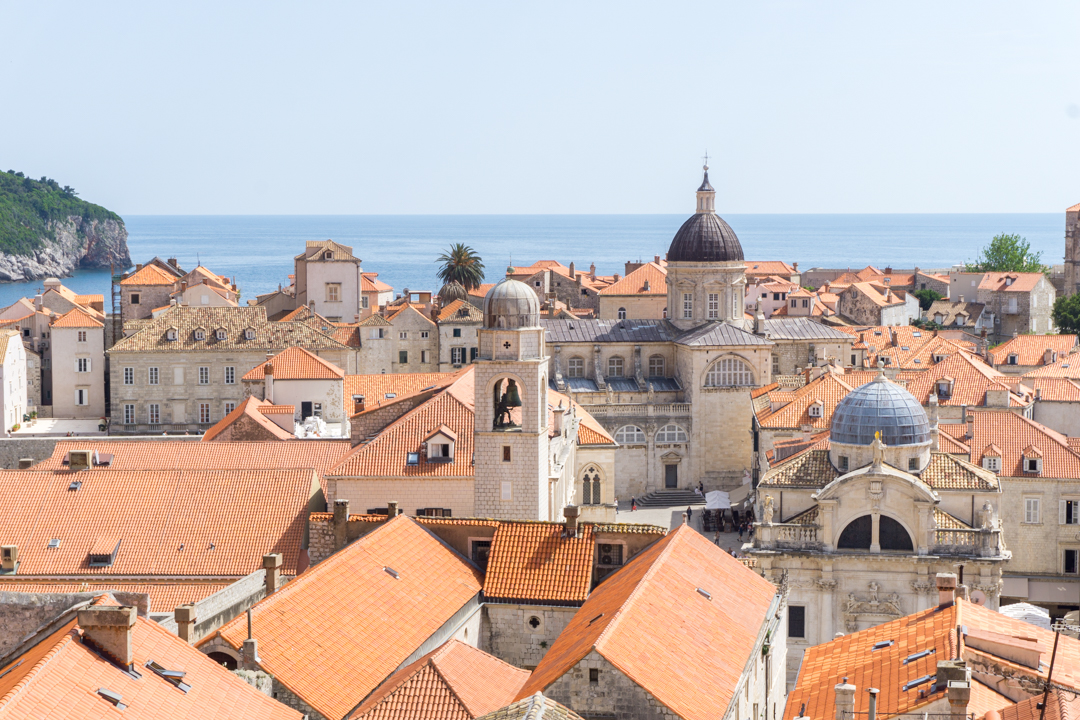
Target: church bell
{"x": 511, "y": 396}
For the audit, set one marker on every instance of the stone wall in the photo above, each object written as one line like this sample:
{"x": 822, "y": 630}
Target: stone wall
{"x": 374, "y": 420}
{"x": 522, "y": 634}
{"x": 22, "y": 614}
{"x": 611, "y": 695}
{"x": 215, "y": 610}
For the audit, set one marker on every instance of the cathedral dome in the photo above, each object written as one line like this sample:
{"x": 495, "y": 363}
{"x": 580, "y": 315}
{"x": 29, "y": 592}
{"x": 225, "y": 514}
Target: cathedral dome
{"x": 880, "y": 405}
{"x": 511, "y": 304}
{"x": 705, "y": 237}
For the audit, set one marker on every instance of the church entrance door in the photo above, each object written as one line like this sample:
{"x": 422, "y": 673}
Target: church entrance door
{"x": 671, "y": 476}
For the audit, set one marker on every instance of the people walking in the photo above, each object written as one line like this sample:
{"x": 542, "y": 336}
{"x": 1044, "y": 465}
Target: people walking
{"x": 689, "y": 516}
{"x": 633, "y": 503}
{"x": 716, "y": 538}
{"x": 742, "y": 529}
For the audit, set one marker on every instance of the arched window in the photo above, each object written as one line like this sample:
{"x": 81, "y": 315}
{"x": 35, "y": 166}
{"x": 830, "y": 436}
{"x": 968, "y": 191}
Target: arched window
{"x": 630, "y": 435}
{"x": 859, "y": 533}
{"x": 672, "y": 434}
{"x": 729, "y": 372}
{"x": 575, "y": 367}
{"x": 615, "y": 366}
{"x": 622, "y": 313}
{"x": 590, "y": 487}
{"x": 657, "y": 366}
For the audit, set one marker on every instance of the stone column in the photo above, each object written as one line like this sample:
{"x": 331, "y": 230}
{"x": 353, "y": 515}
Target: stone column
{"x": 875, "y": 532}
{"x": 828, "y": 508}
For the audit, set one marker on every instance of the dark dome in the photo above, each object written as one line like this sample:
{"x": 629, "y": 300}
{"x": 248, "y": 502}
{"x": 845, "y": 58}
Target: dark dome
{"x": 705, "y": 237}
{"x": 880, "y": 405}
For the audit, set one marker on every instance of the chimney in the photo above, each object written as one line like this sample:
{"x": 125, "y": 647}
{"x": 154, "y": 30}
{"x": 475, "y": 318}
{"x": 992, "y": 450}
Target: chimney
{"x": 185, "y": 622}
{"x": 172, "y": 261}
{"x": 138, "y": 267}
{"x": 872, "y": 705}
{"x": 341, "y": 520}
{"x": 656, "y": 259}
{"x": 250, "y": 649}
{"x": 183, "y": 285}
{"x": 845, "y": 701}
{"x": 954, "y": 677}
{"x": 38, "y": 304}
{"x": 573, "y": 272}
{"x": 969, "y": 420}
{"x": 615, "y": 277}
{"x": 571, "y": 513}
{"x": 268, "y": 382}
{"x": 25, "y": 463}
{"x": 946, "y": 585}
{"x": 272, "y": 566}
{"x": 392, "y": 509}
{"x": 592, "y": 270}
{"x": 1038, "y": 397}
{"x": 358, "y": 403}
{"x": 108, "y": 628}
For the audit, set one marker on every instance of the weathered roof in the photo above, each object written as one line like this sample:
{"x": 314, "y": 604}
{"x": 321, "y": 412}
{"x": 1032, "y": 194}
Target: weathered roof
{"x": 653, "y": 603}
{"x": 1031, "y": 349}
{"x": 62, "y": 676}
{"x": 164, "y": 596}
{"x": 379, "y": 618}
{"x": 250, "y": 407}
{"x": 460, "y": 311}
{"x": 538, "y": 707}
{"x": 595, "y": 330}
{"x": 951, "y": 310}
{"x": 149, "y": 275}
{"x": 720, "y": 334}
{"x": 705, "y": 237}
{"x": 800, "y": 328}
{"x": 296, "y": 363}
{"x": 535, "y": 562}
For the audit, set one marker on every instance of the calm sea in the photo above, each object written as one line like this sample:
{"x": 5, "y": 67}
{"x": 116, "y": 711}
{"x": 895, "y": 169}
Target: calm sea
{"x": 259, "y": 250}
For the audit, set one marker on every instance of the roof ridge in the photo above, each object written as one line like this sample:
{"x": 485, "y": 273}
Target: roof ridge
{"x": 31, "y": 674}
{"x": 447, "y": 683}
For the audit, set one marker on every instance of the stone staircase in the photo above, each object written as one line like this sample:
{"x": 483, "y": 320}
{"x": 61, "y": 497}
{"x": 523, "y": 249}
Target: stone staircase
{"x": 670, "y": 498}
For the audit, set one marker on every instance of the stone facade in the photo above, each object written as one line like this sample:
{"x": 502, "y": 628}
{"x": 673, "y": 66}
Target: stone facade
{"x": 13, "y": 395}
{"x": 522, "y": 634}
{"x": 79, "y": 384}
{"x": 455, "y": 494}
{"x": 1072, "y": 249}
{"x": 641, "y": 306}
{"x": 416, "y": 343}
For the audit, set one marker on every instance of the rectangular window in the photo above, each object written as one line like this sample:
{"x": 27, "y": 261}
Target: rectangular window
{"x": 204, "y": 375}
{"x": 1031, "y": 510}
{"x": 688, "y": 305}
{"x": 178, "y": 375}
{"x": 913, "y": 464}
{"x": 423, "y": 334}
{"x": 775, "y": 364}
{"x": 506, "y": 453}
{"x": 433, "y": 512}
{"x": 204, "y": 413}
{"x": 457, "y": 355}
{"x": 364, "y": 302}
{"x": 507, "y": 491}
{"x": 81, "y": 397}
{"x": 1069, "y": 511}
{"x": 480, "y": 550}
{"x": 316, "y": 410}
{"x": 129, "y": 414}
{"x": 403, "y": 357}
{"x": 82, "y": 336}
{"x": 796, "y": 621}
{"x": 82, "y": 365}
{"x": 843, "y": 463}
{"x": 134, "y": 297}
{"x": 423, "y": 356}
{"x": 229, "y": 407}
{"x": 129, "y": 376}
{"x": 714, "y": 305}
{"x": 457, "y": 332}
{"x": 333, "y": 292}
{"x": 152, "y": 377}
{"x": 403, "y": 335}
{"x": 153, "y": 414}
{"x": 473, "y": 353}
{"x": 1071, "y": 561}
{"x": 230, "y": 375}
{"x": 594, "y": 676}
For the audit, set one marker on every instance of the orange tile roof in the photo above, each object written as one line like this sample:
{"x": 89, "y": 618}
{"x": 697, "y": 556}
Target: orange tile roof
{"x": 386, "y": 455}
{"x": 971, "y": 378}
{"x": 634, "y": 283}
{"x": 296, "y": 363}
{"x": 170, "y": 522}
{"x": 649, "y": 621}
{"x": 947, "y": 443}
{"x": 375, "y": 388}
{"x": 164, "y": 597}
{"x": 1061, "y": 705}
{"x": 768, "y": 267}
{"x": 454, "y": 682}
{"x": 1011, "y": 433}
{"x": 249, "y": 408}
{"x": 60, "y": 677}
{"x": 149, "y": 275}
{"x": 75, "y": 318}
{"x": 534, "y": 562}
{"x": 88, "y": 299}
{"x": 1029, "y": 349}
{"x": 852, "y": 656}
{"x": 1021, "y": 282}
{"x": 1066, "y": 366}
{"x": 377, "y": 620}
{"x": 460, "y": 311}
{"x": 829, "y": 390}
{"x": 1054, "y": 389}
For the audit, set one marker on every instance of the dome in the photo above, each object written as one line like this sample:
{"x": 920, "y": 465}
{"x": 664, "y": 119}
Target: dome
{"x": 705, "y": 237}
{"x": 511, "y": 304}
{"x": 452, "y": 291}
{"x": 880, "y": 405}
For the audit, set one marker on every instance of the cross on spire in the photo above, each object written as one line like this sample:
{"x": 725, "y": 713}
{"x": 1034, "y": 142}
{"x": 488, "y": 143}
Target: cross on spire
{"x": 706, "y": 158}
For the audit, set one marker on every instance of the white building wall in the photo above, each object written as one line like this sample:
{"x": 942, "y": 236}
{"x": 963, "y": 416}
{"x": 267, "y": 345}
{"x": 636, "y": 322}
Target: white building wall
{"x": 67, "y": 349}
{"x": 13, "y": 382}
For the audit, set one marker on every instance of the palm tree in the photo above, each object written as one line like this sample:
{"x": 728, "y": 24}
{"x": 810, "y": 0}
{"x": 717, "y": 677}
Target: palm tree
{"x": 463, "y": 265}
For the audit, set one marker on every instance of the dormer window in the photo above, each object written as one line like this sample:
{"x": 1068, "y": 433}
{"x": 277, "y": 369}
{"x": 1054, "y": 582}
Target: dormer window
{"x": 440, "y": 444}
{"x": 944, "y": 388}
{"x": 1033, "y": 465}
{"x": 220, "y": 334}
{"x": 170, "y": 334}
{"x": 939, "y": 318}
{"x": 249, "y": 333}
{"x": 815, "y": 409}
{"x": 961, "y": 319}
{"x": 938, "y": 357}
{"x": 328, "y": 255}
{"x": 992, "y": 463}
{"x": 200, "y": 334}
{"x": 1008, "y": 281}
{"x": 1013, "y": 359}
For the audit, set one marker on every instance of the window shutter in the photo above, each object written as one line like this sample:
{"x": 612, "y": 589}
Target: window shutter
{"x": 1061, "y": 512}
{"x": 88, "y": 361}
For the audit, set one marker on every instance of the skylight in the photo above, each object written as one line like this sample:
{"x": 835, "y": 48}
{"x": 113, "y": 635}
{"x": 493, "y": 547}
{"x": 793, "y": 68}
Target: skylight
{"x": 905, "y": 348}
{"x": 114, "y": 698}
{"x": 54, "y": 543}
{"x": 392, "y": 573}
{"x": 919, "y": 655}
{"x": 175, "y": 677}
{"x": 920, "y": 681}
{"x": 705, "y": 594}
{"x": 883, "y": 644}
{"x": 916, "y": 334}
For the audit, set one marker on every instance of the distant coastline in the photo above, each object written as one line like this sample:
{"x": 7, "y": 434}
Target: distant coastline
{"x": 259, "y": 250}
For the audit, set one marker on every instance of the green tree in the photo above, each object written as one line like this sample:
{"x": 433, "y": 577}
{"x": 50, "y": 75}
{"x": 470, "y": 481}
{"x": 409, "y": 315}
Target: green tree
{"x": 1066, "y": 313}
{"x": 927, "y": 297}
{"x": 461, "y": 263}
{"x": 1007, "y": 253}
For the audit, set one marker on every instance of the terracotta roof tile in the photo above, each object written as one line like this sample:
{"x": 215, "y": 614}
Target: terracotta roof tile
{"x": 149, "y": 275}
{"x": 180, "y": 515}
{"x": 538, "y": 707}
{"x": 999, "y": 281}
{"x": 970, "y": 378}
{"x": 375, "y": 388}
{"x": 653, "y": 603}
{"x": 534, "y": 562}
{"x": 296, "y": 363}
{"x": 1011, "y": 434}
{"x": 59, "y": 678}
{"x": 768, "y": 267}
{"x": 248, "y": 408}
{"x": 1067, "y": 366}
{"x": 164, "y": 597}
{"x": 76, "y": 318}
{"x": 827, "y": 391}
{"x": 1054, "y": 389}
{"x": 378, "y": 620}
{"x": 650, "y": 273}
{"x": 455, "y": 682}
{"x": 460, "y": 311}
{"x": 1030, "y": 349}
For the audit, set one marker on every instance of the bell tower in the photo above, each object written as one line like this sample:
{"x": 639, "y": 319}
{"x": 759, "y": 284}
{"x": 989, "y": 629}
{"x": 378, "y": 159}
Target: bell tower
{"x": 511, "y": 408}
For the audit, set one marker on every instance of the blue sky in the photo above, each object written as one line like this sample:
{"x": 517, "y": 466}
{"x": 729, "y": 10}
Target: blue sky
{"x": 328, "y": 108}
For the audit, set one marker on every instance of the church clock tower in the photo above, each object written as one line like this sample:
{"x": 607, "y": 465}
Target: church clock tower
{"x": 511, "y": 406}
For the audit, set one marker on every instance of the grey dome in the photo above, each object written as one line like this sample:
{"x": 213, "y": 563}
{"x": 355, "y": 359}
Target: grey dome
{"x": 452, "y": 291}
{"x": 705, "y": 237}
{"x": 880, "y": 405}
{"x": 511, "y": 304}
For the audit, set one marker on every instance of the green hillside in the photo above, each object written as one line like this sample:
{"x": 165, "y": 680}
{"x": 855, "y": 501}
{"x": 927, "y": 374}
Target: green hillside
{"x": 27, "y": 206}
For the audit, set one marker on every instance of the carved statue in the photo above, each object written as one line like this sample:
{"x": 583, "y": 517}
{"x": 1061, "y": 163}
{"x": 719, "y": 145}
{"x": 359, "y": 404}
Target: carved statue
{"x": 652, "y": 394}
{"x": 767, "y": 509}
{"x": 987, "y": 516}
{"x": 879, "y": 449}
{"x": 874, "y": 587}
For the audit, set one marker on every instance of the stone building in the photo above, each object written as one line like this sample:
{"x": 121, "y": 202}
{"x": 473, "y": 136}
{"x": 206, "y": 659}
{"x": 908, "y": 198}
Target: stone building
{"x": 13, "y": 390}
{"x": 416, "y": 341}
{"x": 148, "y": 287}
{"x": 967, "y": 315}
{"x": 1024, "y": 353}
{"x": 873, "y": 303}
{"x": 458, "y": 322}
{"x": 311, "y": 386}
{"x": 78, "y": 354}
{"x": 860, "y": 523}
{"x": 1072, "y": 249}
{"x": 185, "y": 366}
{"x": 641, "y": 295}
{"x": 1018, "y": 303}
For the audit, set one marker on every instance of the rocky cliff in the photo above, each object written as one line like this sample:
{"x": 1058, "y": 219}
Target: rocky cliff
{"x": 71, "y": 243}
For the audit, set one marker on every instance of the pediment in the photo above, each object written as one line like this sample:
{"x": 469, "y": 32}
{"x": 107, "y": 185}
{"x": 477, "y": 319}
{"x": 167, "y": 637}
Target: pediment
{"x": 886, "y": 475}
